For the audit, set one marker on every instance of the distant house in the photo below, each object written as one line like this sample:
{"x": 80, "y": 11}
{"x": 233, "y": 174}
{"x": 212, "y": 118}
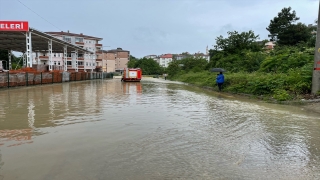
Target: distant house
{"x": 154, "y": 57}
{"x": 269, "y": 45}
{"x": 181, "y": 56}
{"x": 201, "y": 55}
{"x": 165, "y": 60}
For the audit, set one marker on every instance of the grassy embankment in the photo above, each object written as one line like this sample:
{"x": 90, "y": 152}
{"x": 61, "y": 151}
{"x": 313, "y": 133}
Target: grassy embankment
{"x": 294, "y": 85}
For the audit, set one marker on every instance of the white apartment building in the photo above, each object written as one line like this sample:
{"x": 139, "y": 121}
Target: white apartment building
{"x": 86, "y": 62}
{"x": 165, "y": 60}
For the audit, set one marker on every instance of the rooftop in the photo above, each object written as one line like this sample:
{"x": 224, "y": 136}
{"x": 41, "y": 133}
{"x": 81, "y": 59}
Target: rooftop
{"x": 115, "y": 50}
{"x": 73, "y": 34}
{"x": 166, "y": 56}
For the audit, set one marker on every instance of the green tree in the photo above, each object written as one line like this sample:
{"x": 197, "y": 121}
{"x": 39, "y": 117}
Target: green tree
{"x": 148, "y": 66}
{"x": 173, "y": 69}
{"x": 236, "y": 42}
{"x": 294, "y": 34}
{"x": 281, "y": 23}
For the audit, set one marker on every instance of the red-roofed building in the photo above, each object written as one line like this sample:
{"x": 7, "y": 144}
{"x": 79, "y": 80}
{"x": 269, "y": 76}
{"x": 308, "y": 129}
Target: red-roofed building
{"x": 165, "y": 59}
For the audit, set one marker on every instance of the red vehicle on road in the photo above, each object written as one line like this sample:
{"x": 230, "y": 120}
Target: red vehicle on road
{"x": 132, "y": 75}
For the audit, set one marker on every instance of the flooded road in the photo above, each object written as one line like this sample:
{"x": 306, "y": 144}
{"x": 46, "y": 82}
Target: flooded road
{"x": 156, "y": 129}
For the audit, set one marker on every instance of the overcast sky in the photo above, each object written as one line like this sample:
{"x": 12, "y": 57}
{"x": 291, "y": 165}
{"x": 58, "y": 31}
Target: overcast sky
{"x": 155, "y": 26}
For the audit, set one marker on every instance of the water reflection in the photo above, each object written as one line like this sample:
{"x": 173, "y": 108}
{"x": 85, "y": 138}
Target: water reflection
{"x": 25, "y": 109}
{"x": 131, "y": 87}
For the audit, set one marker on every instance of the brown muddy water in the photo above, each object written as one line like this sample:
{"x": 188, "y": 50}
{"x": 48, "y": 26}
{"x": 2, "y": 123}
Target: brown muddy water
{"x": 156, "y": 129}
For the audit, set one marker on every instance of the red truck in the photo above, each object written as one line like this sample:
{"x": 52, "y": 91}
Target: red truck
{"x": 131, "y": 75}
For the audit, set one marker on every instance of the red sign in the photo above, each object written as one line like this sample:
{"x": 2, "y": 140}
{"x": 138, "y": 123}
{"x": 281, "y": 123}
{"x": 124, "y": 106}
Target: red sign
{"x": 14, "y": 26}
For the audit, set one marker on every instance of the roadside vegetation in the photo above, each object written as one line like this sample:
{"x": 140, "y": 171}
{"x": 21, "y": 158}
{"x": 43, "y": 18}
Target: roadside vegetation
{"x": 281, "y": 74}
{"x": 148, "y": 66}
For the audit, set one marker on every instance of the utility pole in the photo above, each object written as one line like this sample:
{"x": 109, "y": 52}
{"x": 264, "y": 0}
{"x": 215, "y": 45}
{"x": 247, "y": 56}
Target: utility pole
{"x": 316, "y": 69}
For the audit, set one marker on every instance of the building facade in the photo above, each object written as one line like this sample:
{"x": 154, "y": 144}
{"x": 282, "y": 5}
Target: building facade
{"x": 86, "y": 62}
{"x": 269, "y": 45}
{"x": 165, "y": 60}
{"x": 116, "y": 59}
{"x": 203, "y": 56}
{"x": 154, "y": 57}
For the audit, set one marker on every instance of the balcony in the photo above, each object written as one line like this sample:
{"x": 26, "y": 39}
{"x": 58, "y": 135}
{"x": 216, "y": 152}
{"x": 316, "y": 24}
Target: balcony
{"x": 98, "y": 45}
{"x": 98, "y": 52}
{"x": 80, "y": 43}
{"x": 80, "y": 58}
{"x": 98, "y": 59}
{"x": 82, "y": 66}
{"x": 44, "y": 57}
{"x": 69, "y": 58}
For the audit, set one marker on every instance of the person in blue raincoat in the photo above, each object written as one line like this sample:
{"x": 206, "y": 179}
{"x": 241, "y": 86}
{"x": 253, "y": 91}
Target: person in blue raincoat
{"x": 220, "y": 80}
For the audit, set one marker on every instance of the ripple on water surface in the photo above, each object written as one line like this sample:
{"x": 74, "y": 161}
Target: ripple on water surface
{"x": 151, "y": 130}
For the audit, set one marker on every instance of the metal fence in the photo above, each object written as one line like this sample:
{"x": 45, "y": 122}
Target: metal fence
{"x": 13, "y": 79}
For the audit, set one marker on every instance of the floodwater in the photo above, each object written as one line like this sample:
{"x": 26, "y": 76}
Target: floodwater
{"x": 156, "y": 129}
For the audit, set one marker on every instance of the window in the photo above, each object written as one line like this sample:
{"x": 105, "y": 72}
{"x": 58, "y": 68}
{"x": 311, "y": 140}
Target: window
{"x": 69, "y": 63}
{"x": 66, "y": 38}
{"x": 59, "y": 63}
{"x": 86, "y": 63}
{"x": 79, "y": 39}
{"x": 80, "y": 63}
{"x": 93, "y": 64}
{"x": 55, "y": 62}
{"x": 54, "y": 55}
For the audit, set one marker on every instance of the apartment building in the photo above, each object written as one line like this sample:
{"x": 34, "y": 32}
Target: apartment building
{"x": 118, "y": 57}
{"x": 165, "y": 60}
{"x": 86, "y": 62}
{"x": 108, "y": 64}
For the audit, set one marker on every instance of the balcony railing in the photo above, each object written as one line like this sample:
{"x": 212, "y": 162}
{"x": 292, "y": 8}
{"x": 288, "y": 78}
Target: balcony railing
{"x": 98, "y": 45}
{"x": 80, "y": 43}
{"x": 98, "y": 59}
{"x": 43, "y": 57}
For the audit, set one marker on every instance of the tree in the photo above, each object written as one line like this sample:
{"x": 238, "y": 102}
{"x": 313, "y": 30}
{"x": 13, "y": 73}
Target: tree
{"x": 132, "y": 62}
{"x": 282, "y": 22}
{"x": 236, "y": 42}
{"x": 148, "y": 66}
{"x": 294, "y": 34}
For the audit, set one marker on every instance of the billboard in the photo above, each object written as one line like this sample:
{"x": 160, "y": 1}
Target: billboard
{"x": 14, "y": 26}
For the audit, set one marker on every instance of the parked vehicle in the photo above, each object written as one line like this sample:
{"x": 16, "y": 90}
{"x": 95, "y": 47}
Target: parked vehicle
{"x": 131, "y": 75}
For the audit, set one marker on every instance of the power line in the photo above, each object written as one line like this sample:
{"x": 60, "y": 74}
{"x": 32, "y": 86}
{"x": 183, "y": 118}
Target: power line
{"x": 38, "y": 15}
